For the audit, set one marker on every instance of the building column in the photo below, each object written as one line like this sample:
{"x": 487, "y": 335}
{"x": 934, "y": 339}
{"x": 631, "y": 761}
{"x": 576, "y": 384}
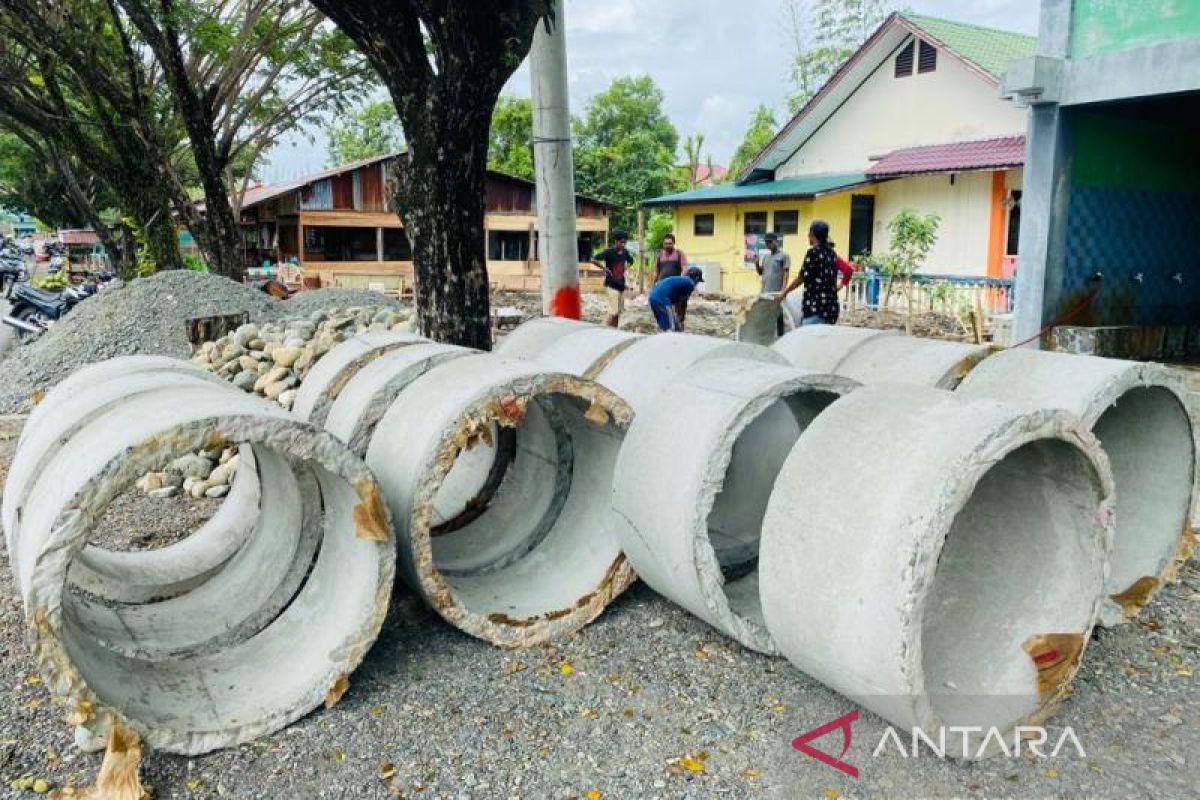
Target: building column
{"x": 379, "y": 244}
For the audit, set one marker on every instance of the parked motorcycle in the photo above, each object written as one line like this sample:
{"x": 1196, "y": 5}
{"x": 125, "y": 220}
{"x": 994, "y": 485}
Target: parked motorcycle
{"x": 12, "y": 265}
{"x": 57, "y": 251}
{"x": 35, "y": 310}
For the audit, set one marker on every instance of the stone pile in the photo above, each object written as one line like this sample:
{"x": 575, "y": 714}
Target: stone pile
{"x": 272, "y": 359}
{"x": 208, "y": 473}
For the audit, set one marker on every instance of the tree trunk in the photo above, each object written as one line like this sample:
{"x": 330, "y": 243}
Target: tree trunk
{"x": 161, "y": 238}
{"x": 441, "y": 201}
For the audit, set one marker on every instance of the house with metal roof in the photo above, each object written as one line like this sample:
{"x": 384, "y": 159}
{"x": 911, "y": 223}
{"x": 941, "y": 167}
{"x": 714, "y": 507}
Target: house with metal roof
{"x": 913, "y": 120}
{"x": 339, "y": 225}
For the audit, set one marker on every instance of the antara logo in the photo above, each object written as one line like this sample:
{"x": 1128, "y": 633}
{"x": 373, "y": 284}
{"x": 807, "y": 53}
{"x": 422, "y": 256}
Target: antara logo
{"x": 991, "y": 741}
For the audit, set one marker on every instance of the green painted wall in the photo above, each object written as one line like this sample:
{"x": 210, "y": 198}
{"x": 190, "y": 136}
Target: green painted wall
{"x": 1105, "y": 26}
{"x": 1130, "y": 154}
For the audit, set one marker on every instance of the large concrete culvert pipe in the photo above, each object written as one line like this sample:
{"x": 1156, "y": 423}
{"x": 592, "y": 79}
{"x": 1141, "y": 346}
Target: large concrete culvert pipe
{"x": 128, "y": 577}
{"x": 821, "y": 348}
{"x": 499, "y": 473}
{"x": 200, "y": 671}
{"x": 330, "y": 374}
{"x": 532, "y": 337}
{"x": 715, "y": 438}
{"x": 370, "y": 392}
{"x": 1143, "y": 419}
{"x": 938, "y": 561}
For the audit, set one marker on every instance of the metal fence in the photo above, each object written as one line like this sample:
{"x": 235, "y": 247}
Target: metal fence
{"x": 951, "y": 294}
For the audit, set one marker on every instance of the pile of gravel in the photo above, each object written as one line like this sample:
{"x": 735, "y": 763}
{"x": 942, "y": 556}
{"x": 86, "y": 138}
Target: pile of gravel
{"x": 146, "y": 316}
{"x": 305, "y": 303}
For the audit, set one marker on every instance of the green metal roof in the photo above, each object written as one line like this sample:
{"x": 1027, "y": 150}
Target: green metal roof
{"x": 806, "y": 186}
{"x": 990, "y": 49}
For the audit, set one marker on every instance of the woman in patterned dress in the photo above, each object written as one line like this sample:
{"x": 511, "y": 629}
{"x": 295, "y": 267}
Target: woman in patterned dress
{"x": 819, "y": 276}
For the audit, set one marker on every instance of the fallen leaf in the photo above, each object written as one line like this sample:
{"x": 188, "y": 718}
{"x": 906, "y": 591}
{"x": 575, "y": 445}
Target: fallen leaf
{"x": 118, "y": 778}
{"x": 589, "y": 713}
{"x": 337, "y": 691}
{"x": 338, "y": 756}
{"x": 831, "y": 794}
{"x": 691, "y": 764}
{"x": 387, "y": 771}
{"x": 629, "y": 713}
{"x": 377, "y": 711}
{"x": 1051, "y": 773}
{"x": 752, "y": 773}
{"x": 33, "y": 680}
{"x": 566, "y": 669}
{"x": 1183, "y": 673}
{"x": 594, "y": 794}
{"x": 195, "y": 783}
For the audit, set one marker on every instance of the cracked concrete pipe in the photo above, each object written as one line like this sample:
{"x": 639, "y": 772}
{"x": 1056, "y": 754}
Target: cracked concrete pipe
{"x": 1147, "y": 426}
{"x": 200, "y": 671}
{"x": 330, "y": 374}
{"x": 498, "y": 473}
{"x": 909, "y": 359}
{"x": 721, "y": 431}
{"x": 821, "y": 348}
{"x": 370, "y": 393}
{"x": 938, "y": 561}
{"x": 128, "y": 577}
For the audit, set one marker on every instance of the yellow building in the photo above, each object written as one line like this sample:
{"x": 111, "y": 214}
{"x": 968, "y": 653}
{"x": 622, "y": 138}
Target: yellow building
{"x": 914, "y": 120}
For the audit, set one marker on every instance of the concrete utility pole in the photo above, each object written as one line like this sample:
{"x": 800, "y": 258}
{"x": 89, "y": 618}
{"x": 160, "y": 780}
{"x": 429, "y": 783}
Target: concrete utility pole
{"x": 554, "y": 165}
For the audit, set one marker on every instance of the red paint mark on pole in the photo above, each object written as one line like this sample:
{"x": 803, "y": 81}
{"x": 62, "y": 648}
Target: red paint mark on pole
{"x": 567, "y": 303}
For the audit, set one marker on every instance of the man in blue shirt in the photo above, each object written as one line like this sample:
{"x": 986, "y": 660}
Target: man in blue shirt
{"x": 670, "y": 291}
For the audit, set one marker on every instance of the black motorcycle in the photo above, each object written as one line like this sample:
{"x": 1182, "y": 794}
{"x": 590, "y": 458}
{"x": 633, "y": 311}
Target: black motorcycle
{"x": 35, "y": 310}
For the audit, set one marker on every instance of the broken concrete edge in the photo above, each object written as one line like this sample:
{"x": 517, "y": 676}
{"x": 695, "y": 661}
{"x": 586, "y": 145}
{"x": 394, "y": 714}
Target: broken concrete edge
{"x": 330, "y": 373}
{"x": 44, "y": 596}
{"x": 503, "y": 405}
{"x": 654, "y": 537}
{"x": 794, "y": 586}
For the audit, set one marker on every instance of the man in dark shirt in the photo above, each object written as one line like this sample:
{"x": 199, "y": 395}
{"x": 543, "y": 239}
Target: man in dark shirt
{"x": 614, "y": 261}
{"x": 668, "y": 293}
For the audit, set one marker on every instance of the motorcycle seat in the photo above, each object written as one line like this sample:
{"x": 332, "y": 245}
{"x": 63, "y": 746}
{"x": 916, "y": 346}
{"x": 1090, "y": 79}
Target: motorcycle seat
{"x": 43, "y": 297}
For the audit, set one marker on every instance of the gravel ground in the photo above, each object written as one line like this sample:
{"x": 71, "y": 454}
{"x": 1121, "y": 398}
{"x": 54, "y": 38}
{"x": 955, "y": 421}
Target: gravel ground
{"x": 136, "y": 521}
{"x": 614, "y": 709}
{"x": 146, "y": 316}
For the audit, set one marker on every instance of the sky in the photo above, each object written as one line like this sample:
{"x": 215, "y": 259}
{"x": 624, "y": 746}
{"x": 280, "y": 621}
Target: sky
{"x": 715, "y": 61}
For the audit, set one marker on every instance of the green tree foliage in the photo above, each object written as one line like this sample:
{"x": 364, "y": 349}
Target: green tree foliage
{"x": 825, "y": 33}
{"x": 510, "y": 148}
{"x": 625, "y": 146}
{"x": 372, "y": 130}
{"x": 762, "y": 129}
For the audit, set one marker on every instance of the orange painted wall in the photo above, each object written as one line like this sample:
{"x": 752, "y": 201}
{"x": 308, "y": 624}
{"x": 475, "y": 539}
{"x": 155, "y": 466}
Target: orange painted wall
{"x": 997, "y": 227}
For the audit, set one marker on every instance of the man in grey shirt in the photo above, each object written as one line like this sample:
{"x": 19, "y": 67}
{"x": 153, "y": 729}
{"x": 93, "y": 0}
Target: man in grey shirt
{"x": 775, "y": 267}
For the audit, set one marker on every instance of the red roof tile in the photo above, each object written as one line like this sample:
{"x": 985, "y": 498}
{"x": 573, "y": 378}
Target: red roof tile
{"x": 956, "y": 157}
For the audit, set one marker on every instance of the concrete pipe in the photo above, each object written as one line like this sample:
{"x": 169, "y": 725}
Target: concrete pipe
{"x": 498, "y": 473}
{"x": 721, "y": 431}
{"x": 758, "y": 320}
{"x": 638, "y": 372}
{"x": 908, "y": 359}
{"x": 939, "y": 561}
{"x": 821, "y": 348}
{"x": 127, "y": 577}
{"x": 201, "y": 671}
{"x": 588, "y": 351}
{"x": 534, "y": 336}
{"x": 370, "y": 393}
{"x": 330, "y": 374}
{"x": 1141, "y": 414}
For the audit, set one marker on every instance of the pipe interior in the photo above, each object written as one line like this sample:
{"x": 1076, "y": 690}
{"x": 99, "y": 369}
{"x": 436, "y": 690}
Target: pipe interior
{"x": 735, "y": 521}
{"x": 540, "y": 541}
{"x": 1020, "y": 560}
{"x": 1148, "y": 437}
{"x": 256, "y": 674}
